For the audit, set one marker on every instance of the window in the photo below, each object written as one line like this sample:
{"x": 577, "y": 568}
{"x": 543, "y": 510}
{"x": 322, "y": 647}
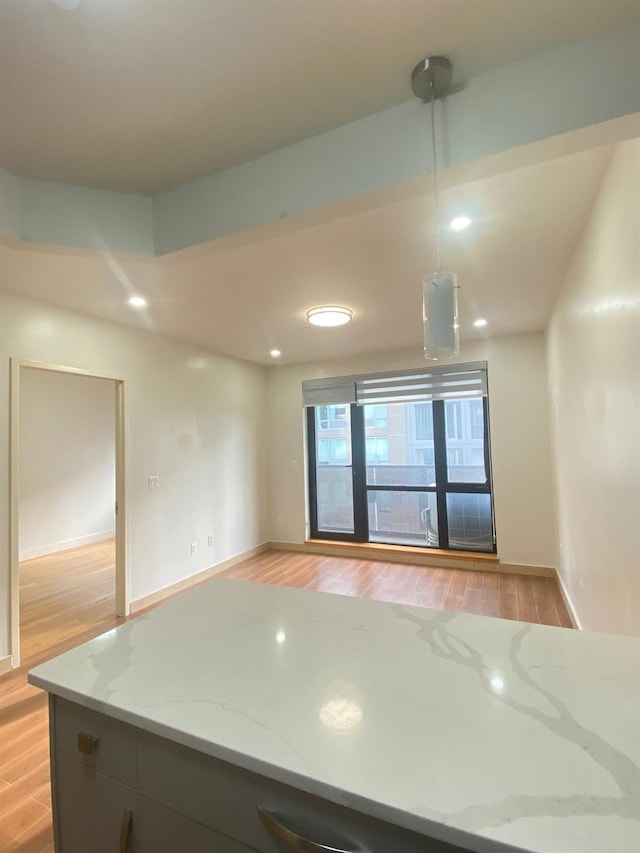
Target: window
{"x": 452, "y": 413}
{"x": 454, "y": 456}
{"x": 477, "y": 456}
{"x": 476, "y": 418}
{"x": 323, "y": 451}
{"x": 332, "y": 450}
{"x": 404, "y": 464}
{"x": 376, "y": 417}
{"x": 331, "y": 417}
{"x": 426, "y": 456}
{"x": 424, "y": 421}
{"x": 338, "y": 449}
{"x": 377, "y": 451}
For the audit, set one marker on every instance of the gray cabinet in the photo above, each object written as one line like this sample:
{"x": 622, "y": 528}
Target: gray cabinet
{"x": 118, "y": 789}
{"x": 89, "y": 808}
{"x": 158, "y": 829}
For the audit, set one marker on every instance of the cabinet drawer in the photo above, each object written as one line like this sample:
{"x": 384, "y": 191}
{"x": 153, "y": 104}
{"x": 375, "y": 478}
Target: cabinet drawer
{"x": 227, "y": 798}
{"x": 106, "y": 745}
{"x": 158, "y": 829}
{"x": 89, "y": 808}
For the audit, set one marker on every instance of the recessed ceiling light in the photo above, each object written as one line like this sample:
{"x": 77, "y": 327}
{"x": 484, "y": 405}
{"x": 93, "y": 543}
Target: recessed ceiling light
{"x": 329, "y": 315}
{"x": 137, "y": 301}
{"x": 275, "y": 353}
{"x": 480, "y": 322}
{"x": 460, "y": 223}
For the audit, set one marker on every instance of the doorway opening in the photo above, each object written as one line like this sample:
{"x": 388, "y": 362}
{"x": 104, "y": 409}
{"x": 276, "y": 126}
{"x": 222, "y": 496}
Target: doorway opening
{"x": 67, "y": 505}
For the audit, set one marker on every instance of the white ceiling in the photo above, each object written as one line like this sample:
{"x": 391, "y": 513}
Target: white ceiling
{"x": 142, "y": 95}
{"x": 246, "y": 300}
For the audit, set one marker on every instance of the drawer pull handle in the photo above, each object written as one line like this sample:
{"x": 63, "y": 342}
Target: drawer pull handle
{"x": 296, "y": 841}
{"x": 125, "y": 831}
{"x": 87, "y": 744}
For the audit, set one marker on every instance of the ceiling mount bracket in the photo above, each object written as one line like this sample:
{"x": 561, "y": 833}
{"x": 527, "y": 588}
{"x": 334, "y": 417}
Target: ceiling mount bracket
{"x": 436, "y": 70}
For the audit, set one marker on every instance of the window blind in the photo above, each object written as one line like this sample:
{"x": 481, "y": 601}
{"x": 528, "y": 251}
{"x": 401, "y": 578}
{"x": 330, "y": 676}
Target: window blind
{"x": 418, "y": 385}
{"x": 436, "y": 383}
{"x": 329, "y": 392}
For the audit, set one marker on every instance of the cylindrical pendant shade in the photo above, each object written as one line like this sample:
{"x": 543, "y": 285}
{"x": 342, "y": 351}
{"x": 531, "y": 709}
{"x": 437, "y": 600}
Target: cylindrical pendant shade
{"x": 440, "y": 315}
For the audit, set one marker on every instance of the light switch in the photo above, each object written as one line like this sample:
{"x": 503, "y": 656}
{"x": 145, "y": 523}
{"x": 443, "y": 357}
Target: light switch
{"x": 153, "y": 482}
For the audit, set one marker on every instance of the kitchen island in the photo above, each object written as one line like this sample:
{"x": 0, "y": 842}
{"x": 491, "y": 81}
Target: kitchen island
{"x": 243, "y": 716}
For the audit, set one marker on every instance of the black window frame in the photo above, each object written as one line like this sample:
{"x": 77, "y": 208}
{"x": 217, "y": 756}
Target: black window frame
{"x": 443, "y": 486}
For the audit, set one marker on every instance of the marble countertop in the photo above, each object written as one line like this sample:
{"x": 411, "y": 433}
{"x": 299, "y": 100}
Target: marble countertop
{"x": 469, "y": 729}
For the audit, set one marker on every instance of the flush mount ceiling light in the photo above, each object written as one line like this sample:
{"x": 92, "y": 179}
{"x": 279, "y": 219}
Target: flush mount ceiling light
{"x": 460, "y": 223}
{"x": 275, "y": 353}
{"x": 137, "y": 302}
{"x": 329, "y": 315}
{"x": 480, "y": 322}
{"x": 430, "y": 80}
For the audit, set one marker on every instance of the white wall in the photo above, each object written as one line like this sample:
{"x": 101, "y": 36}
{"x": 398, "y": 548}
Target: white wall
{"x": 66, "y": 461}
{"x": 195, "y": 419}
{"x": 594, "y": 374}
{"x": 523, "y": 491}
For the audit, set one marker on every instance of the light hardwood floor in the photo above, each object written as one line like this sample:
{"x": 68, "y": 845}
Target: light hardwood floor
{"x": 70, "y": 597}
{"x": 523, "y": 597}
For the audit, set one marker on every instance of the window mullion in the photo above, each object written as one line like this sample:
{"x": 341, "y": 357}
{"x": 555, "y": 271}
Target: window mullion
{"x": 442, "y": 476}
{"x": 359, "y": 470}
{"x": 311, "y": 455}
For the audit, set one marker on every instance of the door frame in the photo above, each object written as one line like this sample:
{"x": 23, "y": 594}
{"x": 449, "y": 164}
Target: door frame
{"x": 121, "y": 550}
{"x": 358, "y": 493}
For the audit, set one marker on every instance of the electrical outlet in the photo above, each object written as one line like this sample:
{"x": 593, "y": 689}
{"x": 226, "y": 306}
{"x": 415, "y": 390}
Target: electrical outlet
{"x": 280, "y": 520}
{"x": 210, "y": 539}
{"x": 153, "y": 482}
{"x": 194, "y": 548}
{"x": 294, "y": 464}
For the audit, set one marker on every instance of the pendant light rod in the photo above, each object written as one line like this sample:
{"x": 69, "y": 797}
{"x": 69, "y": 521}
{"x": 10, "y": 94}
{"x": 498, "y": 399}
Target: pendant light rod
{"x": 435, "y": 176}
{"x": 430, "y": 80}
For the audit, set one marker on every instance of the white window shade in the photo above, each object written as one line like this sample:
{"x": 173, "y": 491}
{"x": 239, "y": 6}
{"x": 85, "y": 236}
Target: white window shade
{"x": 437, "y": 383}
{"x": 409, "y": 386}
{"x": 329, "y": 392}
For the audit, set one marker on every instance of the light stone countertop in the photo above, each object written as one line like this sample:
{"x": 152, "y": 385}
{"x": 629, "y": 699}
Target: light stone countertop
{"x": 439, "y": 722}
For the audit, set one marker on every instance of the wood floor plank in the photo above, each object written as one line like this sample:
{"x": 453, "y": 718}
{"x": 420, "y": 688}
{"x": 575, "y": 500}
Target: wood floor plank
{"x": 37, "y": 838}
{"x": 23, "y": 816}
{"x": 507, "y": 583}
{"x": 508, "y": 605}
{"x": 451, "y": 602}
{"x": 527, "y": 612}
{"x": 68, "y": 598}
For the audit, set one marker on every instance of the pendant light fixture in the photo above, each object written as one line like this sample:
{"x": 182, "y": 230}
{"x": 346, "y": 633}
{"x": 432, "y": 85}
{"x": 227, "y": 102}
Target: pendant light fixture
{"x": 430, "y": 80}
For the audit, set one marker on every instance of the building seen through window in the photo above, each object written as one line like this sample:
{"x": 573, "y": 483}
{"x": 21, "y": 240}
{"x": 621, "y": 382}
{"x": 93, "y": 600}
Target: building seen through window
{"x": 401, "y": 496}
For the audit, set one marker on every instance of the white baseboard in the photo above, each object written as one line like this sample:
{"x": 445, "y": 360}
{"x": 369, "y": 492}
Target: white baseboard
{"x": 570, "y": 606}
{"x": 5, "y": 664}
{"x": 65, "y": 544}
{"x": 193, "y": 580}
